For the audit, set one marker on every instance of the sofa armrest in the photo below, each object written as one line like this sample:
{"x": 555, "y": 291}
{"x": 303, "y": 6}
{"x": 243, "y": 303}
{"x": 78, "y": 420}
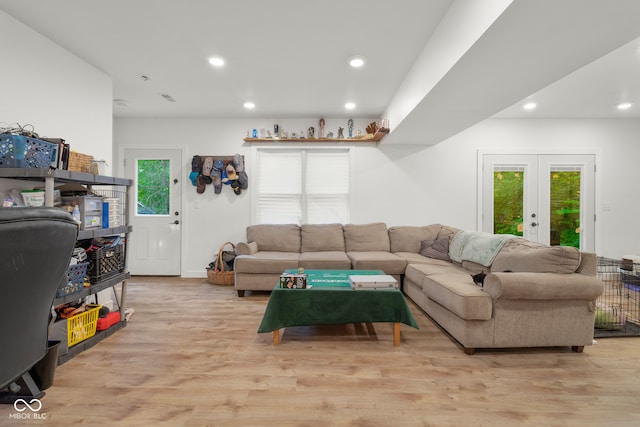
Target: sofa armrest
{"x": 244, "y": 248}
{"x": 543, "y": 286}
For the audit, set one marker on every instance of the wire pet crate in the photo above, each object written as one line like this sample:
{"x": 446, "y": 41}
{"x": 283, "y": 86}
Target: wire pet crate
{"x": 618, "y": 308}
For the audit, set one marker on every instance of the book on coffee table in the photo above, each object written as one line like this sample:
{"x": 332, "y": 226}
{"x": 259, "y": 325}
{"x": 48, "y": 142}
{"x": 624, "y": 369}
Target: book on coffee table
{"x": 378, "y": 281}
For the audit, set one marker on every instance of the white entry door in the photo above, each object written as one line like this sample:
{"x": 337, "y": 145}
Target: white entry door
{"x": 546, "y": 198}
{"x": 155, "y": 244}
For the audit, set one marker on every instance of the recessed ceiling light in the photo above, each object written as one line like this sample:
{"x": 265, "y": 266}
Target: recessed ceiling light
{"x": 356, "y": 62}
{"x": 216, "y": 61}
{"x": 249, "y": 105}
{"x": 530, "y": 106}
{"x": 349, "y": 105}
{"x": 624, "y": 105}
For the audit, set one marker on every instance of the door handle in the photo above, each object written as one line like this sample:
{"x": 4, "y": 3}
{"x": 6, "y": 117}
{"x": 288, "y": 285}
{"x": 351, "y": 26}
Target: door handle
{"x": 176, "y": 222}
{"x": 534, "y": 224}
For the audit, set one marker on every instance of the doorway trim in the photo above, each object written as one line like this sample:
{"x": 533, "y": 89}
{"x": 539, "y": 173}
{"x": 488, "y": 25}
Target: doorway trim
{"x": 544, "y": 151}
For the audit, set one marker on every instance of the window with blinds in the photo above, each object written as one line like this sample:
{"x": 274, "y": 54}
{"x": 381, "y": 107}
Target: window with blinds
{"x": 305, "y": 186}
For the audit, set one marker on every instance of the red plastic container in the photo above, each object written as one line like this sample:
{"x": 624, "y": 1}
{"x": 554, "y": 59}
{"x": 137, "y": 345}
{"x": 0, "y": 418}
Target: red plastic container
{"x": 107, "y": 322}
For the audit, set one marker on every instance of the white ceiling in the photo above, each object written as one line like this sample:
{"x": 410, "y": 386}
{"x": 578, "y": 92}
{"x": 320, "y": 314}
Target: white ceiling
{"x": 577, "y": 58}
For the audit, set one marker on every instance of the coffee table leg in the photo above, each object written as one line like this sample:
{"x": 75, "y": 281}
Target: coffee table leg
{"x": 276, "y": 337}
{"x": 396, "y": 334}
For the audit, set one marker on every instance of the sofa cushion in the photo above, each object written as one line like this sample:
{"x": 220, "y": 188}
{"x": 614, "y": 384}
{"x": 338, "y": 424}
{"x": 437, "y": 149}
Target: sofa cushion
{"x": 437, "y": 249}
{"x": 417, "y": 272}
{"x": 412, "y": 258}
{"x": 458, "y": 294}
{"x": 275, "y": 237}
{"x": 521, "y": 255}
{"x": 366, "y": 237}
{"x": 330, "y": 260}
{"x": 448, "y": 231}
{"x": 377, "y": 260}
{"x": 266, "y": 262}
{"x": 322, "y": 237}
{"x": 408, "y": 238}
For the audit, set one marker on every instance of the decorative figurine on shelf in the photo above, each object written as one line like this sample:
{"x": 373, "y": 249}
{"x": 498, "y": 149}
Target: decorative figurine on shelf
{"x": 359, "y": 134}
{"x": 276, "y": 130}
{"x": 350, "y": 126}
{"x": 255, "y": 133}
{"x": 372, "y": 128}
{"x": 311, "y": 132}
{"x": 340, "y": 133}
{"x": 330, "y": 135}
{"x": 301, "y": 135}
{"x": 321, "y": 123}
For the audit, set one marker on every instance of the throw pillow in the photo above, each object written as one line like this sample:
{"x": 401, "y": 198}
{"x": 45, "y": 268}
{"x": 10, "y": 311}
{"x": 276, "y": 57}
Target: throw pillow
{"x": 437, "y": 249}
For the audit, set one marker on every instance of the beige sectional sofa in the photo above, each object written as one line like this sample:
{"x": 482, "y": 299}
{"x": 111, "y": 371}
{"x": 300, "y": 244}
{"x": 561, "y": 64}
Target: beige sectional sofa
{"x": 533, "y": 295}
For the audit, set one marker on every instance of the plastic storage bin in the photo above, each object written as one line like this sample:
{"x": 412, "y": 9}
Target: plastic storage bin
{"x": 33, "y": 198}
{"x": 90, "y": 210}
{"x": 105, "y": 262}
{"x": 19, "y": 151}
{"x": 82, "y": 326}
{"x": 76, "y": 274}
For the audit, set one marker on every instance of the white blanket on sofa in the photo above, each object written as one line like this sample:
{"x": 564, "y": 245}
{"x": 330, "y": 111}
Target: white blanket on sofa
{"x": 477, "y": 246}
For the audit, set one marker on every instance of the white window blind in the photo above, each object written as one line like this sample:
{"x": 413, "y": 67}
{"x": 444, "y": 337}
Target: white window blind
{"x": 327, "y": 187}
{"x": 303, "y": 186}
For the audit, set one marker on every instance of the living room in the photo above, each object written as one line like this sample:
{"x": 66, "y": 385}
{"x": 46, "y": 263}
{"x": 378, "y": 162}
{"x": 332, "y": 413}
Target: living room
{"x": 397, "y": 182}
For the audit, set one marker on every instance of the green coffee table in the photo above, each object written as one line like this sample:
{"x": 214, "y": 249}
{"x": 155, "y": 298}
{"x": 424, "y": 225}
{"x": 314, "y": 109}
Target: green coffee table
{"x": 330, "y": 300}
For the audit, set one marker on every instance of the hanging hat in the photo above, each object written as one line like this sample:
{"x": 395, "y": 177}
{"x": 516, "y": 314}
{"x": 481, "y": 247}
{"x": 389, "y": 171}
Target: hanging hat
{"x": 231, "y": 171}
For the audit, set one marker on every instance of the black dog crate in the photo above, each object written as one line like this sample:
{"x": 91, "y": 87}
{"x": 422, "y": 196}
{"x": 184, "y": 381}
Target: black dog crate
{"x": 618, "y": 308}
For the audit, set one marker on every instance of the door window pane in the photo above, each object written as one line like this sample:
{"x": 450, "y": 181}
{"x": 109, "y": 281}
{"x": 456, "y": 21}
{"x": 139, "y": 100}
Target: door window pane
{"x": 564, "y": 214}
{"x": 508, "y": 201}
{"x": 153, "y": 177}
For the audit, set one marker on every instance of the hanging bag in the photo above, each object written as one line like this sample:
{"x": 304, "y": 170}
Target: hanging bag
{"x": 220, "y": 271}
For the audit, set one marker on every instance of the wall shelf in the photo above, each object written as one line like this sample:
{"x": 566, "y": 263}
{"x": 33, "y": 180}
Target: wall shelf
{"x": 370, "y": 139}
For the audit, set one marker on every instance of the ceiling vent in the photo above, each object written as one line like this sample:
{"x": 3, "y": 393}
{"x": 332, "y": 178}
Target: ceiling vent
{"x": 167, "y": 97}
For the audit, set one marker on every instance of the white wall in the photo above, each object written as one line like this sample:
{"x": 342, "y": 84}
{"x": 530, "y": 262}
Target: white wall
{"x": 398, "y": 184}
{"x": 210, "y": 219}
{"x": 59, "y": 94}
{"x": 447, "y": 173}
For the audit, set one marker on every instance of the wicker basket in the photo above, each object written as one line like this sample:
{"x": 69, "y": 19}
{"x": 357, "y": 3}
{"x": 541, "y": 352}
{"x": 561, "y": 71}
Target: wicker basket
{"x": 216, "y": 275}
{"x": 81, "y": 163}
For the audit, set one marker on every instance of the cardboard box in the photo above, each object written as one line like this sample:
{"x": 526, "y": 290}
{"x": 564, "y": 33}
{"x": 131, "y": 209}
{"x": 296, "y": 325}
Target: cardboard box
{"x": 378, "y": 281}
{"x": 293, "y": 281}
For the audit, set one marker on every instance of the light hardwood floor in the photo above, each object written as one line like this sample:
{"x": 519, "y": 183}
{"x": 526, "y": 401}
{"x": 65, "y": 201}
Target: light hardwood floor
{"x": 190, "y": 356}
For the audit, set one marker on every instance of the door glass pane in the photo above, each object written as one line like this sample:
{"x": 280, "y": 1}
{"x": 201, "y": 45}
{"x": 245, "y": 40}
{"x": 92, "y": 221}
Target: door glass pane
{"x": 565, "y": 207}
{"x": 508, "y": 201}
{"x": 153, "y": 178}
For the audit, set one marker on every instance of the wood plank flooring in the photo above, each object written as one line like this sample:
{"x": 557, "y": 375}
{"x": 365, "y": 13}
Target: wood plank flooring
{"x": 191, "y": 356}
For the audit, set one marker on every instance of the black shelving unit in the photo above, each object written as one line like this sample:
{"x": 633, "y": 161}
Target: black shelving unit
{"x": 50, "y": 178}
{"x": 90, "y": 342}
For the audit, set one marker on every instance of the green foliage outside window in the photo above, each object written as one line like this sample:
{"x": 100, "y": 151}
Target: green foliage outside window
{"x": 508, "y": 202}
{"x": 508, "y": 199}
{"x": 153, "y": 187}
{"x": 565, "y": 208}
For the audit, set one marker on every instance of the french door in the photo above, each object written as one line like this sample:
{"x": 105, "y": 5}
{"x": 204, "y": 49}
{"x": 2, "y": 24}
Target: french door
{"x": 546, "y": 198}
